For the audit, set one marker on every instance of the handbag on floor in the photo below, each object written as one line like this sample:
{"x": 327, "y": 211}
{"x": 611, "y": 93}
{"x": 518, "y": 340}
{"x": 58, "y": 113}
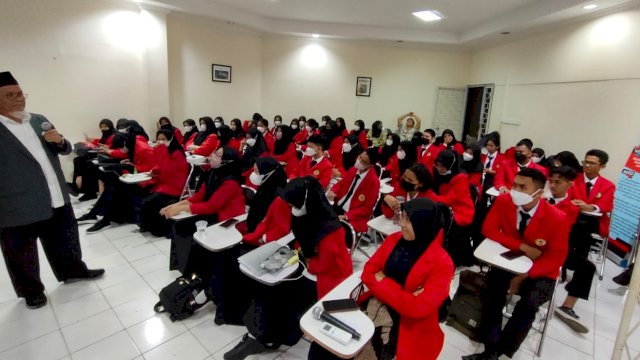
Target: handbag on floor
{"x": 465, "y": 310}
{"x": 178, "y": 299}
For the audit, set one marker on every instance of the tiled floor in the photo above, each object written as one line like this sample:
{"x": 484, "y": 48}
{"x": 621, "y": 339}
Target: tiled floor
{"x": 113, "y": 318}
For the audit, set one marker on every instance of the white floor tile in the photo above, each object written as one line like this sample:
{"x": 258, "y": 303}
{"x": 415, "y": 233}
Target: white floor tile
{"x": 91, "y": 330}
{"x": 47, "y": 347}
{"x": 136, "y": 310}
{"x": 130, "y": 242}
{"x": 80, "y": 308}
{"x": 117, "y": 275}
{"x": 215, "y": 337}
{"x": 127, "y": 291}
{"x": 98, "y": 250}
{"x": 115, "y": 347}
{"x": 120, "y": 231}
{"x": 155, "y": 331}
{"x": 31, "y": 326}
{"x": 267, "y": 355}
{"x": 140, "y": 252}
{"x": 183, "y": 347}
{"x": 63, "y": 293}
{"x": 556, "y": 350}
{"x": 298, "y": 351}
{"x": 151, "y": 264}
{"x": 160, "y": 278}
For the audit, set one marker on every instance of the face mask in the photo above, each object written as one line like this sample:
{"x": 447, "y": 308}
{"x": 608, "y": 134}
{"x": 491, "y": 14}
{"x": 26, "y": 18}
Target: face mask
{"x": 215, "y": 161}
{"x": 520, "y": 157}
{"x": 356, "y": 128}
{"x": 251, "y": 142}
{"x": 104, "y": 131}
{"x": 467, "y": 157}
{"x": 188, "y": 128}
{"x": 202, "y": 127}
{"x": 308, "y": 128}
{"x": 165, "y": 127}
{"x": 216, "y": 124}
{"x": 279, "y": 136}
{"x": 294, "y": 126}
{"x": 401, "y": 155}
{"x": 535, "y": 159}
{"x": 324, "y": 122}
{"x": 484, "y": 151}
{"x": 519, "y": 198}
{"x": 346, "y": 147}
{"x": 407, "y": 186}
{"x": 389, "y": 142}
{"x": 161, "y": 142}
{"x": 123, "y": 130}
{"x": 360, "y": 166}
{"x": 262, "y": 129}
{"x": 297, "y": 212}
{"x": 278, "y": 122}
{"x": 256, "y": 179}
{"x": 310, "y": 151}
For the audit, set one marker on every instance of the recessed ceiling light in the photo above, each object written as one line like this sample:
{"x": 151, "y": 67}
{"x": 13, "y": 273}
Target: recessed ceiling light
{"x": 590, "y": 7}
{"x": 315, "y": 35}
{"x": 428, "y": 15}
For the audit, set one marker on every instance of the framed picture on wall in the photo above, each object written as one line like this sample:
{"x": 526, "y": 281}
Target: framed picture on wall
{"x": 363, "y": 86}
{"x": 221, "y": 73}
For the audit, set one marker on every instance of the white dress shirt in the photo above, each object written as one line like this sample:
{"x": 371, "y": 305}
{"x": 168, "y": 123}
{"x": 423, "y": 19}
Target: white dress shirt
{"x": 346, "y": 205}
{"x": 31, "y": 141}
{"x": 531, "y": 212}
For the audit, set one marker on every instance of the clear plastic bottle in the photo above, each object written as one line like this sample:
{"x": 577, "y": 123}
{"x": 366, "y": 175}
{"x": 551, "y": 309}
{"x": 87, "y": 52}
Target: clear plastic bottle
{"x": 398, "y": 212}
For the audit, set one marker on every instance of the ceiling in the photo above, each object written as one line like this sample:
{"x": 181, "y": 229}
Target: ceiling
{"x": 467, "y": 23}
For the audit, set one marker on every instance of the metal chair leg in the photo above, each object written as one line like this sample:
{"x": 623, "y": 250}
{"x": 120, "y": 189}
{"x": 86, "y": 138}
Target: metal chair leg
{"x": 548, "y": 317}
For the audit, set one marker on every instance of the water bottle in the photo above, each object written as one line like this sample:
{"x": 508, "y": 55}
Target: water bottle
{"x": 398, "y": 212}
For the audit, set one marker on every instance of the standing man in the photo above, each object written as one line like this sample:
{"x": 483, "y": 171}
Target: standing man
{"x": 34, "y": 203}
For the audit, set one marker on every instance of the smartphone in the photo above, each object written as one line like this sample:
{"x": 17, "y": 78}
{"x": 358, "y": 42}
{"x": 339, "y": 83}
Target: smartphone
{"x": 333, "y": 306}
{"x": 227, "y": 224}
{"x": 511, "y": 254}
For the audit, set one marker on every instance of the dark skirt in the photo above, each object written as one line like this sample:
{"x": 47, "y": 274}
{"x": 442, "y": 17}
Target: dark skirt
{"x": 149, "y": 214}
{"x": 230, "y": 288}
{"x": 187, "y": 256}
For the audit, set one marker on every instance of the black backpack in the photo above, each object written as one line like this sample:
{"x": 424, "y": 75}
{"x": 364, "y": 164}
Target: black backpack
{"x": 179, "y": 298}
{"x": 465, "y": 311}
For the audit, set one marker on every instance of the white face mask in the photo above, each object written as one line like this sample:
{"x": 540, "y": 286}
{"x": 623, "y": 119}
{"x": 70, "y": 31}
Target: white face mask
{"x": 519, "y": 198}
{"x": 297, "y": 212}
{"x": 294, "y": 126}
{"x": 188, "y": 128}
{"x": 401, "y": 155}
{"x": 202, "y": 127}
{"x": 262, "y": 129}
{"x": 310, "y": 151}
{"x": 535, "y": 159}
{"x": 308, "y": 128}
{"x": 389, "y": 142}
{"x": 251, "y": 142}
{"x": 258, "y": 179}
{"x": 484, "y": 151}
{"x": 216, "y": 124}
{"x": 346, "y": 147}
{"x": 123, "y": 130}
{"x": 467, "y": 156}
{"x": 277, "y": 122}
{"x": 356, "y": 128}
{"x": 278, "y": 136}
{"x": 360, "y": 166}
{"x": 161, "y": 142}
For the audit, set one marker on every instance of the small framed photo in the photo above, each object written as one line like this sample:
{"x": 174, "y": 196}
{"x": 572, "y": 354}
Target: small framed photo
{"x": 221, "y": 73}
{"x": 363, "y": 86}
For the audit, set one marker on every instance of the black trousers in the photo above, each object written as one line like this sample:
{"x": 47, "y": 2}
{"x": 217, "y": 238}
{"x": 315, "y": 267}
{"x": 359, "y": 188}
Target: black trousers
{"x": 119, "y": 201}
{"x": 533, "y": 293}
{"x": 580, "y": 242}
{"x": 82, "y": 166}
{"x": 60, "y": 242}
{"x": 458, "y": 245}
{"x": 149, "y": 214}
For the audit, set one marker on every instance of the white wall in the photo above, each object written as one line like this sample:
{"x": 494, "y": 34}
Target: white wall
{"x": 574, "y": 88}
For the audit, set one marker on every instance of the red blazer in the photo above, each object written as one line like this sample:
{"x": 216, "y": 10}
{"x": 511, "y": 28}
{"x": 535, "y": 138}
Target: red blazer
{"x": 321, "y": 171}
{"x": 270, "y": 141}
{"x": 601, "y": 195}
{"x": 345, "y": 133}
{"x": 506, "y": 172}
{"x": 226, "y": 202}
{"x": 302, "y": 136}
{"x": 107, "y": 142}
{"x": 456, "y": 195}
{"x": 570, "y": 211}
{"x": 177, "y": 134}
{"x": 143, "y": 158}
{"x": 189, "y": 140}
{"x": 290, "y": 157}
{"x": 362, "y": 138}
{"x": 397, "y": 191}
{"x": 393, "y": 167}
{"x": 548, "y": 231}
{"x": 363, "y": 199}
{"x": 234, "y": 144}
{"x": 420, "y": 335}
{"x": 208, "y": 146}
{"x": 275, "y": 225}
{"x": 498, "y": 158}
{"x": 170, "y": 172}
{"x": 457, "y": 147}
{"x": 429, "y": 157}
{"x": 335, "y": 152}
{"x": 119, "y": 154}
{"x": 332, "y": 263}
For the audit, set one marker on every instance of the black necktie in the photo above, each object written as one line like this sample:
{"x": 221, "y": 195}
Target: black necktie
{"x": 423, "y": 150}
{"x": 589, "y": 186}
{"x": 523, "y": 222}
{"x": 313, "y": 163}
{"x": 552, "y": 201}
{"x": 488, "y": 166}
{"x": 350, "y": 192}
{"x": 520, "y": 167}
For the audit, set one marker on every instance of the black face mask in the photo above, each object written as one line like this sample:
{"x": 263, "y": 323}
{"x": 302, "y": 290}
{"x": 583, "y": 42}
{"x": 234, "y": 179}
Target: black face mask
{"x": 407, "y": 186}
{"x": 105, "y": 131}
{"x": 166, "y": 127}
{"x": 520, "y": 157}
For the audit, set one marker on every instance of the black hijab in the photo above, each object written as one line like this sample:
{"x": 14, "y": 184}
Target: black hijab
{"x": 475, "y": 165}
{"x": 320, "y": 220}
{"x": 203, "y": 135}
{"x": 376, "y": 129}
{"x": 453, "y": 142}
{"x": 238, "y": 133}
{"x": 349, "y": 158}
{"x": 410, "y": 158}
{"x": 136, "y": 129}
{"x": 361, "y": 124}
{"x": 450, "y": 160}
{"x": 340, "y": 125}
{"x": 168, "y": 126}
{"x": 106, "y": 134}
{"x": 282, "y": 144}
{"x": 125, "y": 142}
{"x": 331, "y": 131}
{"x": 388, "y": 151}
{"x": 225, "y": 134}
{"x": 273, "y": 185}
{"x": 253, "y": 152}
{"x": 229, "y": 170}
{"x": 172, "y": 142}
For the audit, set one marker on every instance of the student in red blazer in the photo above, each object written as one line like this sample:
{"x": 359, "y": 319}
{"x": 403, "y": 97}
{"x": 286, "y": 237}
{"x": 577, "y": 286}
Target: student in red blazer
{"x": 600, "y": 198}
{"x": 107, "y": 130}
{"x": 165, "y": 124}
{"x": 285, "y": 149}
{"x": 190, "y": 132}
{"x": 414, "y": 183}
{"x": 521, "y": 221}
{"x": 506, "y": 171}
{"x": 85, "y": 174}
{"x": 334, "y": 140}
{"x": 321, "y": 170}
{"x": 360, "y": 132}
{"x": 428, "y": 152}
{"x": 450, "y": 142}
{"x": 473, "y": 166}
{"x": 402, "y": 160}
{"x": 491, "y": 161}
{"x": 411, "y": 274}
{"x": 206, "y": 142}
{"x": 356, "y": 207}
{"x": 269, "y": 139}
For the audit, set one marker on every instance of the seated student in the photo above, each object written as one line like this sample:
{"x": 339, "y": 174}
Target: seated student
{"x": 219, "y": 198}
{"x": 390, "y": 148}
{"x": 360, "y": 132}
{"x": 406, "y": 156}
{"x": 334, "y": 141}
{"x": 449, "y": 142}
{"x": 473, "y": 166}
{"x": 169, "y": 175}
{"x": 273, "y": 318}
{"x": 428, "y": 151}
{"x": 277, "y": 121}
{"x": 206, "y": 142}
{"x": 190, "y": 133}
{"x": 126, "y": 127}
{"x": 377, "y": 135}
{"x": 310, "y": 129}
{"x": 414, "y": 183}
{"x": 294, "y": 125}
{"x": 342, "y": 127}
{"x": 567, "y": 158}
{"x": 165, "y": 124}
{"x": 236, "y": 127}
{"x": 225, "y": 135}
{"x": 355, "y": 195}
{"x": 560, "y": 181}
{"x": 218, "y": 121}
{"x": 351, "y": 149}
{"x": 85, "y": 177}
{"x": 117, "y": 202}
{"x": 506, "y": 172}
{"x": 263, "y": 128}
{"x": 314, "y": 163}
{"x": 538, "y": 157}
{"x": 284, "y": 150}
{"x": 253, "y": 147}
{"x": 520, "y": 221}
{"x": 410, "y": 274}
{"x": 411, "y": 125}
{"x": 451, "y": 187}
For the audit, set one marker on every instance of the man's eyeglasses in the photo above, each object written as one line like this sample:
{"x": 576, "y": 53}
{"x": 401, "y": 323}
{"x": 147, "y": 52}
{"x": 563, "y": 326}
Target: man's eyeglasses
{"x": 15, "y": 96}
{"x": 590, "y": 163}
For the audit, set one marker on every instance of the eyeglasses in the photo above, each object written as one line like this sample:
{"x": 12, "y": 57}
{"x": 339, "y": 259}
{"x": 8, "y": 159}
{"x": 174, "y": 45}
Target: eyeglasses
{"x": 590, "y": 163}
{"x": 15, "y": 96}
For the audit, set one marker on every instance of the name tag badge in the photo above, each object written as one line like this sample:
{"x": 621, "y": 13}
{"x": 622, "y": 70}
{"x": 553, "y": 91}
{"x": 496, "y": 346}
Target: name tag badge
{"x": 541, "y": 242}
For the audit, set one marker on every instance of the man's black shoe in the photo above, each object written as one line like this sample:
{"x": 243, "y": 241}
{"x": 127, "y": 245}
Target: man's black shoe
{"x": 36, "y": 301}
{"x": 87, "y": 197}
{"x": 87, "y": 275}
{"x": 248, "y": 346}
{"x": 625, "y": 277}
